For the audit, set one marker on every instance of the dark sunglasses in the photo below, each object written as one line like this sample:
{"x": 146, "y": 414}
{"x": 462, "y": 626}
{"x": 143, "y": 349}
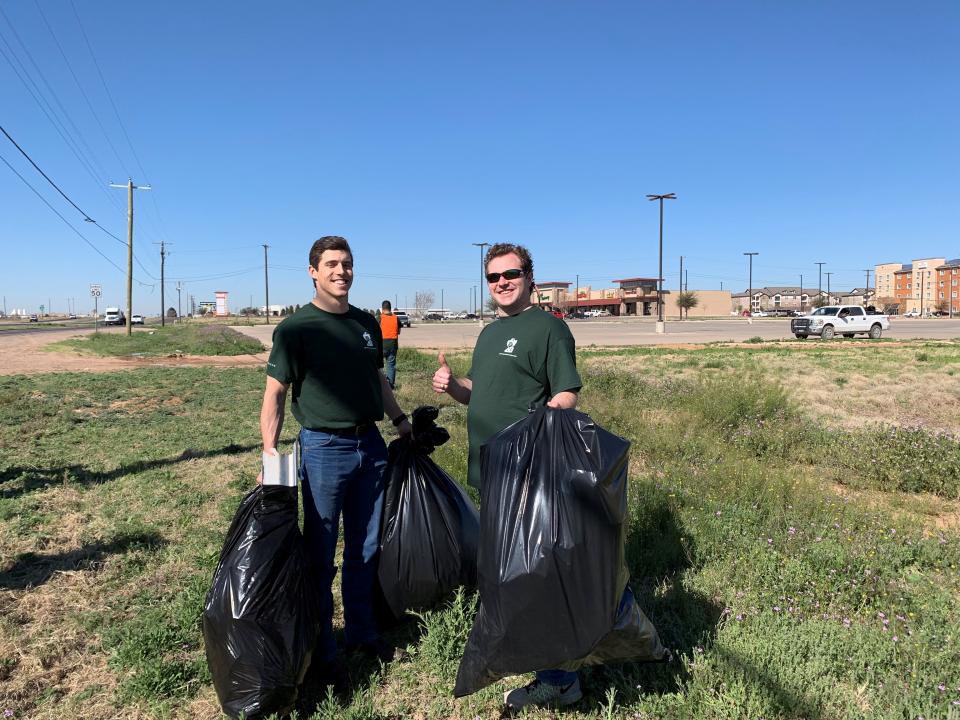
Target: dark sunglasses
{"x": 511, "y": 274}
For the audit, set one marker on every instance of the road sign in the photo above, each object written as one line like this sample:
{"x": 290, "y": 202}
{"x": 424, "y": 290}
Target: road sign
{"x": 95, "y": 291}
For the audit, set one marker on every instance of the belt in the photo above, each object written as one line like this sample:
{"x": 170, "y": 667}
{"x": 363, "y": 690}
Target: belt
{"x": 353, "y": 430}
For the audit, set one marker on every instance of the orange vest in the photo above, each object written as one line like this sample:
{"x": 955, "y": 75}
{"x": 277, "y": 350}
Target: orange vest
{"x": 389, "y": 326}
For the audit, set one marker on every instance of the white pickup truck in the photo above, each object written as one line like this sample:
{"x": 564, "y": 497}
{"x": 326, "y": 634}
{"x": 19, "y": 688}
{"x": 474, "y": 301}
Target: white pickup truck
{"x": 846, "y": 320}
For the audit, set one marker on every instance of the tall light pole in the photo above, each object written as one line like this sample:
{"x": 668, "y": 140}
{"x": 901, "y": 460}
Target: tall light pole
{"x": 829, "y": 295}
{"x": 483, "y": 279}
{"x": 801, "y": 293}
{"x": 866, "y": 293}
{"x": 820, "y": 280}
{"x": 750, "y": 280}
{"x": 668, "y": 196}
{"x": 266, "y": 283}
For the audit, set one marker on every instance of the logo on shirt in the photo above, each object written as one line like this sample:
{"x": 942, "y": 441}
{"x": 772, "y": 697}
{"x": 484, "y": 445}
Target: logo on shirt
{"x": 366, "y": 336}
{"x": 508, "y": 350}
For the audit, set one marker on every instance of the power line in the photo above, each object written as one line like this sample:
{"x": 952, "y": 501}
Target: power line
{"x": 80, "y": 87}
{"x": 123, "y": 128}
{"x": 67, "y": 222}
{"x": 86, "y": 217}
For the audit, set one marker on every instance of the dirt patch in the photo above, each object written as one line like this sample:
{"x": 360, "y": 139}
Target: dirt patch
{"x": 24, "y": 354}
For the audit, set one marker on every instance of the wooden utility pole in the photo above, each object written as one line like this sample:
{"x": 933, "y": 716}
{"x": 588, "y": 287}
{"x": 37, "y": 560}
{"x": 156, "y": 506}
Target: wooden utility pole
{"x": 130, "y": 188}
{"x": 266, "y": 283}
{"x": 163, "y": 304}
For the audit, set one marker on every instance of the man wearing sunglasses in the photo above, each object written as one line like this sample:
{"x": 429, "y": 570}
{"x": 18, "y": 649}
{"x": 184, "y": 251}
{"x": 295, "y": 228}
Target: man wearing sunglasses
{"x": 526, "y": 357}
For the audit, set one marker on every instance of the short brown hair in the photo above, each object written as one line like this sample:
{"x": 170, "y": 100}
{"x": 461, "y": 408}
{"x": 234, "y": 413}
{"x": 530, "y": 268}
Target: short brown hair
{"x": 498, "y": 249}
{"x": 328, "y": 242}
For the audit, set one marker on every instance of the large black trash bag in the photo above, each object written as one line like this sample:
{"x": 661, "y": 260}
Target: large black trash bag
{"x": 259, "y": 619}
{"x": 429, "y": 530}
{"x": 552, "y": 572}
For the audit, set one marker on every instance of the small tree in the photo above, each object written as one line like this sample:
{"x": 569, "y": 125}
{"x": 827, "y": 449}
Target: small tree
{"x": 819, "y": 302}
{"x": 687, "y": 299}
{"x": 422, "y": 301}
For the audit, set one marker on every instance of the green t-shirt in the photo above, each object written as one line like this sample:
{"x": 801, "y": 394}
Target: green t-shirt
{"x": 331, "y": 362}
{"x": 519, "y": 360}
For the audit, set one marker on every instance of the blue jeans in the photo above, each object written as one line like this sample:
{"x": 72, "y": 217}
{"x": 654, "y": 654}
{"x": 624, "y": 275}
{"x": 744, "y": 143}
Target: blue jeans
{"x": 390, "y": 362}
{"x": 562, "y": 678}
{"x": 343, "y": 473}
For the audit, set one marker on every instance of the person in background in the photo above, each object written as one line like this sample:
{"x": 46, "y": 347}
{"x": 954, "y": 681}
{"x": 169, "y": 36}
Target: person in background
{"x": 328, "y": 356}
{"x": 526, "y": 357}
{"x": 390, "y": 329}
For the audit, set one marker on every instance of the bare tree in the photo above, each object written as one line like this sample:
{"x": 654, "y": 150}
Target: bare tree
{"x": 422, "y": 301}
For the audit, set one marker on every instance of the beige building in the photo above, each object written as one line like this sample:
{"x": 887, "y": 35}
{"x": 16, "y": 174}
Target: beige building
{"x": 632, "y": 296}
{"x": 922, "y": 295}
{"x": 884, "y": 284}
{"x": 710, "y": 303}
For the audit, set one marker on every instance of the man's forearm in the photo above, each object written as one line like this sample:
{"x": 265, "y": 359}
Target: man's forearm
{"x": 461, "y": 389}
{"x": 271, "y": 418}
{"x": 390, "y": 405}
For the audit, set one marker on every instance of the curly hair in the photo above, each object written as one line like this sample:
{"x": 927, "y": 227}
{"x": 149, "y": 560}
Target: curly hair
{"x": 498, "y": 249}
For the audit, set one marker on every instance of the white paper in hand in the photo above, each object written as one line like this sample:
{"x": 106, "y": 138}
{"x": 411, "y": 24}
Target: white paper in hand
{"x": 281, "y": 469}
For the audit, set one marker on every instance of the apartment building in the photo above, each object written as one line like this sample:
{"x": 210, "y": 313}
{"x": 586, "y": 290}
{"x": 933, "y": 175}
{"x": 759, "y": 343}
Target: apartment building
{"x": 947, "y": 287}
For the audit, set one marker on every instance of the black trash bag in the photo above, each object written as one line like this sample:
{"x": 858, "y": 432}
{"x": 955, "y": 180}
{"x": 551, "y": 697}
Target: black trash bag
{"x": 259, "y": 619}
{"x": 429, "y": 530}
{"x": 552, "y": 569}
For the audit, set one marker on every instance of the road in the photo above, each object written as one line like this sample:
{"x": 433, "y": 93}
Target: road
{"x": 636, "y": 331}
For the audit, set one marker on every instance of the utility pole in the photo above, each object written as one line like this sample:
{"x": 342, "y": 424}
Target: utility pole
{"x": 866, "y": 293}
{"x": 483, "y": 278}
{"x": 829, "y": 297}
{"x": 679, "y": 309}
{"x": 442, "y": 312}
{"x": 130, "y": 188}
{"x": 266, "y": 283}
{"x": 576, "y": 298}
{"x": 750, "y": 280}
{"x": 660, "y": 324}
{"x": 800, "y": 295}
{"x": 686, "y": 281}
{"x": 179, "y": 313}
{"x": 820, "y": 281}
{"x": 163, "y": 308}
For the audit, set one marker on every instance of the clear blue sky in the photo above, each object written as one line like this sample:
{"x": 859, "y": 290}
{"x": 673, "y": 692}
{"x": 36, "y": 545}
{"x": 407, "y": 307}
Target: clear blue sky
{"x": 807, "y": 131}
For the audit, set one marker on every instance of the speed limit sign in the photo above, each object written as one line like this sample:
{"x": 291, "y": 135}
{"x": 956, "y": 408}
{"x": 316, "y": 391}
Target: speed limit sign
{"x": 94, "y": 291}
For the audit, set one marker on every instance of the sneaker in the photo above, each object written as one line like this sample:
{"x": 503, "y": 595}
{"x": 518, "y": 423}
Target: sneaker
{"x": 538, "y": 693}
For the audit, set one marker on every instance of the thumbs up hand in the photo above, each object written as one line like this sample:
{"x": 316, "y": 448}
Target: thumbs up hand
{"x": 443, "y": 376}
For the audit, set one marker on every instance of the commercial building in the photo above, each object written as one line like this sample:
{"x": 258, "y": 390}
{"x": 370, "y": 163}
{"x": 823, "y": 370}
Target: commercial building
{"x": 947, "y": 287}
{"x": 916, "y": 286}
{"x": 632, "y": 297}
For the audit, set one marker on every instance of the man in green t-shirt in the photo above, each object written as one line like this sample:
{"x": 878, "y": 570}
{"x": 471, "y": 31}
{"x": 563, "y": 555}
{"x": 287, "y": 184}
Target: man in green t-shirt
{"x": 328, "y": 355}
{"x": 527, "y": 356}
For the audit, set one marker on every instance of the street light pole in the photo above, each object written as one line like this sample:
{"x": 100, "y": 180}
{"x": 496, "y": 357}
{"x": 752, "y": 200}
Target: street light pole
{"x": 800, "y": 295}
{"x": 820, "y": 280}
{"x": 866, "y": 293}
{"x": 829, "y": 294}
{"x": 750, "y": 280}
{"x": 483, "y": 279}
{"x": 660, "y": 198}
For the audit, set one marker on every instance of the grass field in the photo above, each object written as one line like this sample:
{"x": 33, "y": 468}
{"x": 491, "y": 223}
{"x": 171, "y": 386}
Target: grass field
{"x": 186, "y": 339}
{"x": 794, "y": 536}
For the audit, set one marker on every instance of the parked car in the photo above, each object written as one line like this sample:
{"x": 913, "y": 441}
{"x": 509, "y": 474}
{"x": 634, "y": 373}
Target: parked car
{"x": 460, "y": 316}
{"x": 846, "y": 320}
{"x": 575, "y": 315}
{"x": 912, "y": 313}
{"x": 557, "y": 314}
{"x": 34, "y": 318}
{"x": 403, "y": 319}
{"x": 71, "y": 316}
{"x": 433, "y": 316}
{"x": 136, "y": 319}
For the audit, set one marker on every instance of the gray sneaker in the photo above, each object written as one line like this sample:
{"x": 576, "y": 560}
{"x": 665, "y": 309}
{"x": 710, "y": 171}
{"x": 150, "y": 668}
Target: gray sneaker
{"x": 538, "y": 693}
